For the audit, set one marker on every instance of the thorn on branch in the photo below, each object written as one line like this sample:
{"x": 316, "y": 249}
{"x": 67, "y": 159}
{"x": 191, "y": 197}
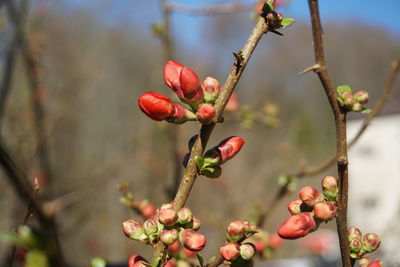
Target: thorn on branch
{"x": 238, "y": 60}
{"x": 276, "y": 32}
{"x": 314, "y": 67}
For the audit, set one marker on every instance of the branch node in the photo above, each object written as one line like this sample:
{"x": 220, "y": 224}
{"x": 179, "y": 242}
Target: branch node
{"x": 238, "y": 60}
{"x": 314, "y": 67}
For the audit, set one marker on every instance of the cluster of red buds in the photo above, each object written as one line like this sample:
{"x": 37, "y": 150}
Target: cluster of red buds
{"x": 311, "y": 209}
{"x": 359, "y": 245}
{"x": 265, "y": 243}
{"x": 168, "y": 226}
{"x": 236, "y": 233}
{"x": 186, "y": 84}
{"x": 367, "y": 262}
{"x": 210, "y": 164}
{"x": 352, "y": 102}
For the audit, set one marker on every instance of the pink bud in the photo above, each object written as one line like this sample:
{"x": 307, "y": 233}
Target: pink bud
{"x": 233, "y": 104}
{"x": 136, "y": 261}
{"x": 172, "y": 71}
{"x": 297, "y": 226}
{"x": 150, "y": 227}
{"x": 324, "y": 211}
{"x": 171, "y": 263}
{"x": 174, "y": 247}
{"x": 375, "y": 263}
{"x": 330, "y": 187}
{"x": 354, "y": 233}
{"x": 355, "y": 248}
{"x": 235, "y": 231}
{"x": 148, "y": 211}
{"x": 134, "y": 230}
{"x": 295, "y": 207}
{"x": 364, "y": 261}
{"x": 274, "y": 241}
{"x": 211, "y": 88}
{"x": 370, "y": 242}
{"x": 168, "y": 237}
{"x": 196, "y": 223}
{"x": 157, "y": 106}
{"x": 193, "y": 240}
{"x": 190, "y": 85}
{"x": 230, "y": 251}
{"x": 310, "y": 196}
{"x": 361, "y": 97}
{"x": 357, "y": 107}
{"x": 229, "y": 147}
{"x": 189, "y": 253}
{"x": 184, "y": 215}
{"x": 249, "y": 227}
{"x": 205, "y": 113}
{"x": 247, "y": 251}
{"x": 167, "y": 215}
{"x": 349, "y": 102}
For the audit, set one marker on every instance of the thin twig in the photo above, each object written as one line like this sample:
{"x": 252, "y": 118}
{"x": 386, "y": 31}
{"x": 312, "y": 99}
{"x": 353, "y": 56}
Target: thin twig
{"x": 25, "y": 191}
{"x": 191, "y": 173}
{"x": 218, "y": 9}
{"x": 340, "y": 123}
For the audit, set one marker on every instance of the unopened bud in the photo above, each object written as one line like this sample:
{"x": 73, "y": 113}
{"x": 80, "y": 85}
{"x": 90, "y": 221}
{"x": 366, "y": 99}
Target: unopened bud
{"x": 249, "y": 227}
{"x": 156, "y": 106}
{"x": 297, "y": 206}
{"x": 364, "y": 261}
{"x": 357, "y": 107}
{"x": 168, "y": 237}
{"x": 229, "y": 147}
{"x": 211, "y": 88}
{"x": 190, "y": 86}
{"x": 247, "y": 251}
{"x": 355, "y": 247}
{"x": 180, "y": 115}
{"x": 375, "y": 263}
{"x": 370, "y": 242}
{"x": 354, "y": 233}
{"x": 310, "y": 196}
{"x": 233, "y": 103}
{"x": 171, "y": 263}
{"x": 330, "y": 188}
{"x": 205, "y": 113}
{"x": 274, "y": 241}
{"x": 134, "y": 230}
{"x": 148, "y": 211}
{"x": 230, "y": 251}
{"x": 349, "y": 102}
{"x": 136, "y": 261}
{"x": 150, "y": 227}
{"x": 167, "y": 215}
{"x": 174, "y": 247}
{"x": 361, "y": 97}
{"x": 193, "y": 240}
{"x": 297, "y": 226}
{"x": 196, "y": 223}
{"x": 184, "y": 215}
{"x": 235, "y": 231}
{"x": 325, "y": 211}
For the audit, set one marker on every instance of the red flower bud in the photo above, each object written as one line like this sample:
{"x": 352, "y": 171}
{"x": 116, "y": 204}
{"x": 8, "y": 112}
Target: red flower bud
{"x": 235, "y": 231}
{"x": 190, "y": 85}
{"x": 324, "y": 211}
{"x": 167, "y": 215}
{"x": 171, "y": 263}
{"x": 193, "y": 240}
{"x": 310, "y": 196}
{"x": 136, "y": 261}
{"x": 274, "y": 241}
{"x": 247, "y": 251}
{"x": 184, "y": 215}
{"x": 172, "y": 71}
{"x": 233, "y": 104}
{"x": 355, "y": 248}
{"x": 354, "y": 233}
{"x": 230, "y": 251}
{"x": 330, "y": 187}
{"x": 249, "y": 227}
{"x": 211, "y": 89}
{"x": 174, "y": 247}
{"x": 229, "y": 147}
{"x": 148, "y": 211}
{"x": 295, "y": 206}
{"x": 205, "y": 113}
{"x": 157, "y": 106}
{"x": 189, "y": 253}
{"x": 370, "y": 242}
{"x": 168, "y": 237}
{"x": 361, "y": 97}
{"x": 375, "y": 263}
{"x": 134, "y": 230}
{"x": 297, "y": 226}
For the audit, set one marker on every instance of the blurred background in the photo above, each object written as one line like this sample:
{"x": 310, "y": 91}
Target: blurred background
{"x": 72, "y": 120}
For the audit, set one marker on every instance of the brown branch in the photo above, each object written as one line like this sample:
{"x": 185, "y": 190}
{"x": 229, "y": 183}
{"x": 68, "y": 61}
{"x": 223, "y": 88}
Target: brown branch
{"x": 218, "y": 9}
{"x": 25, "y": 191}
{"x": 340, "y": 123}
{"x": 191, "y": 173}
{"x": 33, "y": 70}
